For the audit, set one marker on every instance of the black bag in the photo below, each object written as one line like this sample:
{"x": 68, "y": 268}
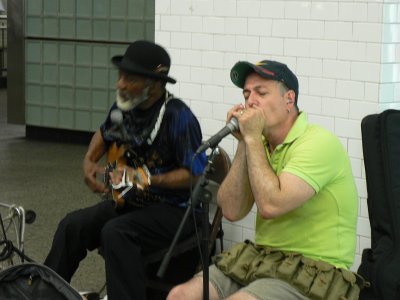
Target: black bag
{"x": 380, "y": 264}
{"x": 34, "y": 281}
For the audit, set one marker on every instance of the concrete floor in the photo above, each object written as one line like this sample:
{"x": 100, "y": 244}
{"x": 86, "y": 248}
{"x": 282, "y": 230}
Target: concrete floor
{"x": 47, "y": 178}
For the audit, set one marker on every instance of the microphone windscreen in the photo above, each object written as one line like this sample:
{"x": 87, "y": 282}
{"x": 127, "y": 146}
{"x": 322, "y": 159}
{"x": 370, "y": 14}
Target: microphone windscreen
{"x": 116, "y": 116}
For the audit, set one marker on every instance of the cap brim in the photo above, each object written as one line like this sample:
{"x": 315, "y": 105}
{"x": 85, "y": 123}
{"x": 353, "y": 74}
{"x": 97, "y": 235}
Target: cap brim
{"x": 117, "y": 61}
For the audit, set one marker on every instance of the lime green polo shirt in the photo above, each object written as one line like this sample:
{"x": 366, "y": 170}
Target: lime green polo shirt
{"x": 324, "y": 227}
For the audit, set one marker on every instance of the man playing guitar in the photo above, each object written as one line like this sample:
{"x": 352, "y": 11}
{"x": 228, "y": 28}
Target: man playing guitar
{"x": 150, "y": 138}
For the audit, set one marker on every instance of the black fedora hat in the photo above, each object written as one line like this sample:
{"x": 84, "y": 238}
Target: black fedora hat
{"x": 145, "y": 58}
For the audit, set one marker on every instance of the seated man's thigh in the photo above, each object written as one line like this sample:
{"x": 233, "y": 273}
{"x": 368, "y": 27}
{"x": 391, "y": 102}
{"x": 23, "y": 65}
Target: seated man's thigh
{"x": 224, "y": 286}
{"x": 272, "y": 289}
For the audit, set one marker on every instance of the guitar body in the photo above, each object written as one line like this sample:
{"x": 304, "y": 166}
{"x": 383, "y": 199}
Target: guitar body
{"x": 115, "y": 159}
{"x": 137, "y": 181}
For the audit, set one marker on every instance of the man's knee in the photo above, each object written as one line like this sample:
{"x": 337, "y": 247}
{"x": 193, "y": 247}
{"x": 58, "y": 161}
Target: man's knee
{"x": 176, "y": 293}
{"x": 180, "y": 292}
{"x": 70, "y": 223}
{"x": 113, "y": 234}
{"x": 189, "y": 290}
{"x": 109, "y": 232}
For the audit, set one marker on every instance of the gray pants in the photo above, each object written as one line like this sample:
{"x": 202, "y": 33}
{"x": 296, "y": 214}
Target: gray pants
{"x": 262, "y": 289}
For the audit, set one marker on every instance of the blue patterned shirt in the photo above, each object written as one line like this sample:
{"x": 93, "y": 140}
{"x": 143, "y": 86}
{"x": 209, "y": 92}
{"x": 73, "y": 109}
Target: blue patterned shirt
{"x": 177, "y": 140}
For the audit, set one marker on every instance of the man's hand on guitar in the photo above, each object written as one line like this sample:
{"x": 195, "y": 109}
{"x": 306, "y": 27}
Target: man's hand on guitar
{"x": 125, "y": 176}
{"x": 90, "y": 171}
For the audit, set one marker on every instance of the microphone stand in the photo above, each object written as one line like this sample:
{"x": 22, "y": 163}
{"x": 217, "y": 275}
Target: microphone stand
{"x": 199, "y": 194}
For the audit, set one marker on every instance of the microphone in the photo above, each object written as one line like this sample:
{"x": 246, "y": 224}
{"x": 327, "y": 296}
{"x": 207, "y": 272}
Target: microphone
{"x": 117, "y": 119}
{"x": 232, "y": 126}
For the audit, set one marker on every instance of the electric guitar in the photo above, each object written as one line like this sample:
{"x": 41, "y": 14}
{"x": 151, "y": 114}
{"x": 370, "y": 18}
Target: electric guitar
{"x": 134, "y": 184}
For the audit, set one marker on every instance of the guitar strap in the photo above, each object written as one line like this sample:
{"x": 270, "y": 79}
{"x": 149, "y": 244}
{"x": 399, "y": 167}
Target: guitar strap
{"x": 137, "y": 128}
{"x": 156, "y": 128}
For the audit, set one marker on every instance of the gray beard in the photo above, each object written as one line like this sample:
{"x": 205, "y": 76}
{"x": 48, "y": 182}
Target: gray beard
{"x": 125, "y": 102}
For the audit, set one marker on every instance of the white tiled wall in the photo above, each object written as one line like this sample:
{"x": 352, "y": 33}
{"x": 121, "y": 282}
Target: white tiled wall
{"x": 346, "y": 54}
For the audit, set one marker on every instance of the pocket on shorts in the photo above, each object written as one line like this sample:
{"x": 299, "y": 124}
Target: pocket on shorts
{"x": 226, "y": 259}
{"x": 236, "y": 262}
{"x": 344, "y": 286}
{"x": 303, "y": 279}
{"x": 266, "y": 264}
{"x": 289, "y": 266}
{"x": 322, "y": 281}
